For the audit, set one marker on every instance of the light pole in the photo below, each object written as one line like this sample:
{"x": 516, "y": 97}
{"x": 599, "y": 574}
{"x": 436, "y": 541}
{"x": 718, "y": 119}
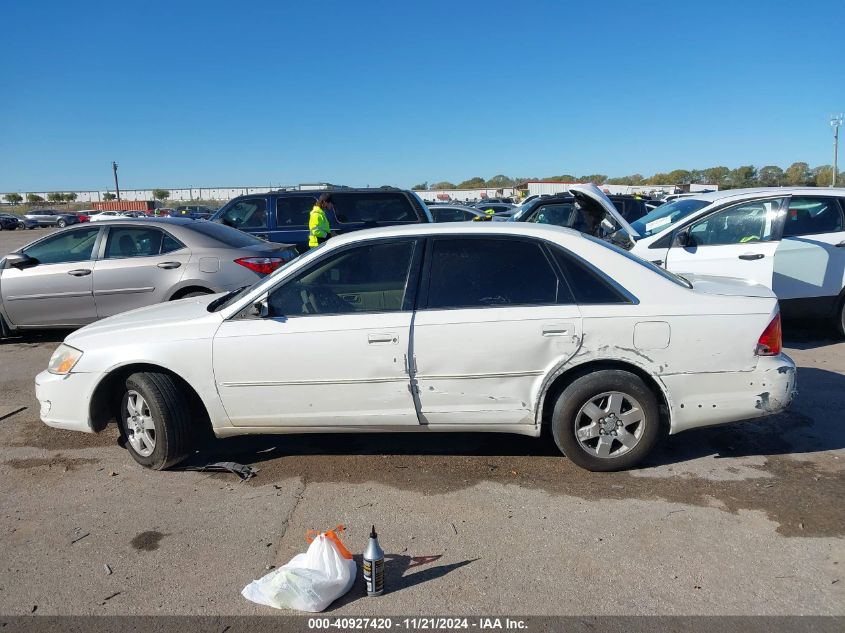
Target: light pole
{"x": 835, "y": 122}
{"x": 116, "y": 186}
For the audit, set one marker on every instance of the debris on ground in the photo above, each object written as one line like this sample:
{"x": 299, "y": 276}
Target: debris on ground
{"x": 241, "y": 470}
{"x": 79, "y": 538}
{"x": 108, "y": 570}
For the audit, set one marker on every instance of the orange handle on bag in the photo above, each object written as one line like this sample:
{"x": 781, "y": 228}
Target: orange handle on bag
{"x": 334, "y": 537}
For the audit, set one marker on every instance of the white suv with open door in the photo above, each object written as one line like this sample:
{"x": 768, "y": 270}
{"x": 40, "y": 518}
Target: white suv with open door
{"x": 789, "y": 239}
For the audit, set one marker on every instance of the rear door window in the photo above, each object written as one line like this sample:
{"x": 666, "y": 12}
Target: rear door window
{"x": 483, "y": 273}
{"x": 813, "y": 216}
{"x": 292, "y": 212}
{"x": 373, "y": 208}
{"x": 133, "y": 242}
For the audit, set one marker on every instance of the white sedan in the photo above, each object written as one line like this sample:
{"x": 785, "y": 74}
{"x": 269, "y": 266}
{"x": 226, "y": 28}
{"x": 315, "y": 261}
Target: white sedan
{"x": 458, "y": 327}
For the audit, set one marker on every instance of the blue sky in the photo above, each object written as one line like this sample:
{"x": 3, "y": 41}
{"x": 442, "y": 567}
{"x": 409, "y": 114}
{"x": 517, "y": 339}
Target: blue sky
{"x": 371, "y": 93}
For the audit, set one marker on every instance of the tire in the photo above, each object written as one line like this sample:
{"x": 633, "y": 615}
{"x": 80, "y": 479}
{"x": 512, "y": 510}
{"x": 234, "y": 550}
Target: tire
{"x": 5, "y": 331}
{"x": 839, "y": 319}
{"x": 626, "y": 440}
{"x": 161, "y": 434}
{"x": 61, "y": 224}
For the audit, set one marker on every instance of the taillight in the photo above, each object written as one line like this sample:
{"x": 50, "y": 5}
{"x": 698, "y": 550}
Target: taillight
{"x": 770, "y": 342}
{"x": 261, "y": 265}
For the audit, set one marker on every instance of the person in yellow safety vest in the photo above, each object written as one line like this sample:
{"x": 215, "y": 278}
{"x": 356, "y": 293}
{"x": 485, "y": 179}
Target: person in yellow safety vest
{"x": 319, "y": 229}
{"x": 490, "y": 212}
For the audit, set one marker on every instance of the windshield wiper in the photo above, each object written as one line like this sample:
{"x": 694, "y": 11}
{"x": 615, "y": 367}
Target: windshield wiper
{"x": 212, "y": 307}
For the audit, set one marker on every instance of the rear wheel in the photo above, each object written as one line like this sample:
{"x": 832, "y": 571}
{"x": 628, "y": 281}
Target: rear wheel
{"x": 155, "y": 420}
{"x": 606, "y": 420}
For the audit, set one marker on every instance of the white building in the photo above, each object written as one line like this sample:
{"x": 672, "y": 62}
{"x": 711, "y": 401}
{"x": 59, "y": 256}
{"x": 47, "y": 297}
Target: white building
{"x": 179, "y": 194}
{"x": 466, "y": 195}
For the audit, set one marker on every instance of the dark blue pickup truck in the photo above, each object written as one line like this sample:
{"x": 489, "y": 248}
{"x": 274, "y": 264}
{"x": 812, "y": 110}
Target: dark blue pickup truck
{"x": 282, "y": 216}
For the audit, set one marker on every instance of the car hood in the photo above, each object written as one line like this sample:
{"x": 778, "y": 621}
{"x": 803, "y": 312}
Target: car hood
{"x": 727, "y": 286}
{"x": 591, "y": 195}
{"x": 176, "y": 314}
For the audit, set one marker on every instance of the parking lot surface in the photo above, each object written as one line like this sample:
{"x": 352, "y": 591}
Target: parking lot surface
{"x": 741, "y": 519}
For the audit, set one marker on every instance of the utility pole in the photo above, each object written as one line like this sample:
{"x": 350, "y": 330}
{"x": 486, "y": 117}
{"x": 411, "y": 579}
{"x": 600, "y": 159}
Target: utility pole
{"x": 835, "y": 122}
{"x": 116, "y": 186}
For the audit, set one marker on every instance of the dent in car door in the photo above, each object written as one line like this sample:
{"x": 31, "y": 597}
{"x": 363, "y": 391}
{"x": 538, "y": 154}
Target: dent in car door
{"x": 495, "y": 323}
{"x": 58, "y": 291}
{"x": 739, "y": 241}
{"x": 138, "y": 268}
{"x": 318, "y": 360}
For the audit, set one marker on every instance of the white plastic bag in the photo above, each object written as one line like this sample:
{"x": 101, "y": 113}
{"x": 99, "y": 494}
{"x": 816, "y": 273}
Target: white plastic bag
{"x": 310, "y": 581}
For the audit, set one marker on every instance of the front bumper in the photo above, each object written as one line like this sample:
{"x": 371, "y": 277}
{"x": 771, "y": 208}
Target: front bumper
{"x": 697, "y": 400}
{"x": 65, "y": 399}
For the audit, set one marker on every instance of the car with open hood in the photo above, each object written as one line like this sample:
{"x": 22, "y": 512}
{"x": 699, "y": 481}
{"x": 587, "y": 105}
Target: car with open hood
{"x": 496, "y": 327}
{"x": 585, "y": 209}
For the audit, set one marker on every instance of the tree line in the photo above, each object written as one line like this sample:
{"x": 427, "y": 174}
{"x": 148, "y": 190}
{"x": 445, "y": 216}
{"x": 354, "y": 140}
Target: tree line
{"x": 58, "y": 197}
{"x": 797, "y": 175}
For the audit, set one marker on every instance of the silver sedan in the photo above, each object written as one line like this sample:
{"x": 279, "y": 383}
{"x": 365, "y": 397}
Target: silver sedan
{"x": 88, "y": 272}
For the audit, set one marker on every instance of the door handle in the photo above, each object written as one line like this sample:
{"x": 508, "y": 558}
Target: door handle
{"x": 750, "y": 256}
{"x": 556, "y": 330}
{"x": 374, "y": 339}
{"x": 169, "y": 265}
{"x": 79, "y": 272}
{"x": 657, "y": 262}
{"x": 840, "y": 245}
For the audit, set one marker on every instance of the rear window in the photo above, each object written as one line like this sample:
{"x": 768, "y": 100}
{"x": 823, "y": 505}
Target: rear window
{"x": 373, "y": 208}
{"x": 225, "y": 234}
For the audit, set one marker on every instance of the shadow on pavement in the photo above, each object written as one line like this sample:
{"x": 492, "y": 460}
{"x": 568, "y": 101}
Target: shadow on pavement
{"x": 396, "y": 576}
{"x": 807, "y": 427}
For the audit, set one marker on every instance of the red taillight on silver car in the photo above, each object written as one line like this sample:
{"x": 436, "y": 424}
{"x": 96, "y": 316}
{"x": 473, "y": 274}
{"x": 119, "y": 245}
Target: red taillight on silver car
{"x": 770, "y": 342}
{"x": 261, "y": 265}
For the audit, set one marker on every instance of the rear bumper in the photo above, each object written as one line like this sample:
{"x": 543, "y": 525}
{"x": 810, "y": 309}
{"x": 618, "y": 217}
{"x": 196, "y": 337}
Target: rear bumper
{"x": 65, "y": 400}
{"x": 698, "y": 400}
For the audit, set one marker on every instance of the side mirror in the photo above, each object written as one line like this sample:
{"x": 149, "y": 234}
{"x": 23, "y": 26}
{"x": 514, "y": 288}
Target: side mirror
{"x": 258, "y": 310}
{"x": 681, "y": 239}
{"x": 20, "y": 261}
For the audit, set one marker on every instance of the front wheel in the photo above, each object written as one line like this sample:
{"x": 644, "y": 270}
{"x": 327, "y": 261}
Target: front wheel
{"x": 61, "y": 224}
{"x": 607, "y": 420}
{"x": 155, "y": 420}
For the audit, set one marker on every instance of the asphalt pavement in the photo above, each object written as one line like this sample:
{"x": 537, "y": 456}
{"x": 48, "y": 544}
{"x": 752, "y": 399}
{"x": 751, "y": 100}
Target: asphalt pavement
{"x": 745, "y": 519}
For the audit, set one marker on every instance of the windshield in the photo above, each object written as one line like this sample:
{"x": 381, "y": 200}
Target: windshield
{"x": 666, "y": 215}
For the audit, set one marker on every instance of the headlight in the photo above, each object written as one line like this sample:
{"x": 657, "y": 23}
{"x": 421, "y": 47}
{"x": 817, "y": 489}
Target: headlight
{"x": 63, "y": 359}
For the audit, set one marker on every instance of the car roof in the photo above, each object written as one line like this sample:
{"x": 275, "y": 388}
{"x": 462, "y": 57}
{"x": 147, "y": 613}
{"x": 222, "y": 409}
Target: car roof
{"x": 715, "y": 196}
{"x": 500, "y": 229}
{"x": 318, "y": 192}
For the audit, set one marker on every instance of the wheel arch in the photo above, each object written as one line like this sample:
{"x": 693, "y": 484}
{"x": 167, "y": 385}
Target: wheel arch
{"x": 558, "y": 380}
{"x": 182, "y": 290}
{"x": 105, "y": 399}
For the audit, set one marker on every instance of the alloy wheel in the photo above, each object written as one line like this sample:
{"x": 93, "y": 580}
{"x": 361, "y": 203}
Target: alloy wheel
{"x": 140, "y": 427}
{"x": 610, "y": 424}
